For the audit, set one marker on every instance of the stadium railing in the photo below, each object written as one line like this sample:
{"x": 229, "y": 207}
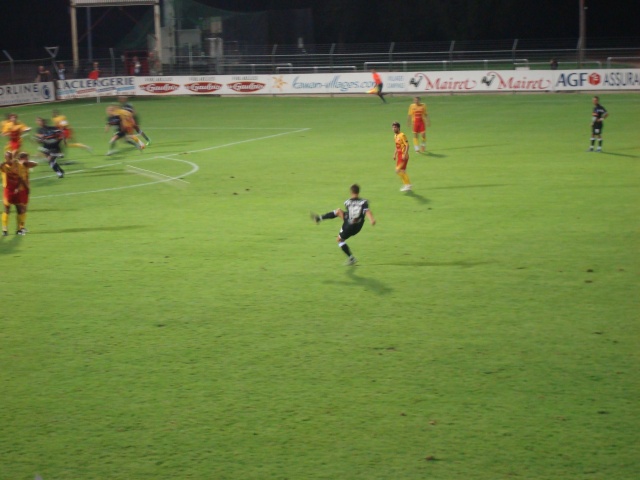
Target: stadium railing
{"x": 631, "y": 61}
{"x": 262, "y": 59}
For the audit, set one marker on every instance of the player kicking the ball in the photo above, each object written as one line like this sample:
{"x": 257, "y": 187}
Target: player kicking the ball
{"x": 353, "y": 220}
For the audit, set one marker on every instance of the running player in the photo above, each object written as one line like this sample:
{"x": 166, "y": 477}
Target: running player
{"x": 123, "y": 120}
{"x": 50, "y": 138}
{"x": 14, "y": 129}
{"x": 377, "y": 89}
{"x": 61, "y": 123}
{"x": 126, "y": 105}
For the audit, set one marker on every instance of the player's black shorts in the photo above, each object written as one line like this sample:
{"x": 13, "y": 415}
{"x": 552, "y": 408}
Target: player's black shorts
{"x": 349, "y": 229}
{"x": 51, "y": 150}
{"x": 596, "y": 128}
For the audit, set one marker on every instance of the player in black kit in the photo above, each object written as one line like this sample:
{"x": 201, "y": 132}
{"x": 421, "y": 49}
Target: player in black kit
{"x": 353, "y": 220}
{"x": 50, "y": 139}
{"x": 597, "y": 117}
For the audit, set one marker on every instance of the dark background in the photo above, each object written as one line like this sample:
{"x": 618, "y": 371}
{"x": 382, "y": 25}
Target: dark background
{"x": 28, "y": 25}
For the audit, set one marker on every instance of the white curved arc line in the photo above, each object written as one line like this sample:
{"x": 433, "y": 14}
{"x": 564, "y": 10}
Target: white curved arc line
{"x": 166, "y": 157}
{"x": 144, "y": 171}
{"x": 193, "y": 170}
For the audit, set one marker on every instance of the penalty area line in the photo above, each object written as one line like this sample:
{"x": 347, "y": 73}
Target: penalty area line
{"x": 245, "y": 141}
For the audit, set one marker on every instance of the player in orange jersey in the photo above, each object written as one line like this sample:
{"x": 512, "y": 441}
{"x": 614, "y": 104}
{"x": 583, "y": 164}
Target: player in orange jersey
{"x": 61, "y": 123}
{"x": 401, "y": 156}
{"x": 15, "y": 183}
{"x": 14, "y": 129}
{"x": 377, "y": 89}
{"x": 418, "y": 117}
{"x": 124, "y": 104}
{"x": 27, "y": 164}
{"x": 125, "y": 123}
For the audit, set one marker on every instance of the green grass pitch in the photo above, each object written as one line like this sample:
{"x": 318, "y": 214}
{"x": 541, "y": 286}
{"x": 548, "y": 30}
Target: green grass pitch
{"x": 175, "y": 314}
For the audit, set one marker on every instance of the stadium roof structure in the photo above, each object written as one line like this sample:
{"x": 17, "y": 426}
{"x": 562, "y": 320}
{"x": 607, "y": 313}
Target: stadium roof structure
{"x": 112, "y": 3}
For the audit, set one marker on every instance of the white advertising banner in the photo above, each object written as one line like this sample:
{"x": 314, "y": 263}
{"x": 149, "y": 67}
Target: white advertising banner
{"x": 87, "y": 88}
{"x": 255, "y": 84}
{"x": 394, "y": 82}
{"x": 627, "y": 79}
{"x": 27, "y": 93}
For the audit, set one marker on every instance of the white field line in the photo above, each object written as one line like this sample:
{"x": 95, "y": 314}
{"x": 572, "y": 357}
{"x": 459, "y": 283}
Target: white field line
{"x": 193, "y": 170}
{"x": 152, "y": 174}
{"x": 201, "y": 128}
{"x": 246, "y": 141}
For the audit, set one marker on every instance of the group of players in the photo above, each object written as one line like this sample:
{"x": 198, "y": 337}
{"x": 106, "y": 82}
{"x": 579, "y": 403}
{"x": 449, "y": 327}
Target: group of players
{"x": 356, "y": 208}
{"x": 124, "y": 119}
{"x": 17, "y": 164}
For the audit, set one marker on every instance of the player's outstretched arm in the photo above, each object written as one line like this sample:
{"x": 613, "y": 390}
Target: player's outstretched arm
{"x": 370, "y": 217}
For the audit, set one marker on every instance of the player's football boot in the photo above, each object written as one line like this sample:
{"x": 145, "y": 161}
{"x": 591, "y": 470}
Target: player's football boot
{"x": 351, "y": 261}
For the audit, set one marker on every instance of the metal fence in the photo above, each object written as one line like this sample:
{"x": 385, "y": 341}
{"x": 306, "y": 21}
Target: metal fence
{"x": 237, "y": 59}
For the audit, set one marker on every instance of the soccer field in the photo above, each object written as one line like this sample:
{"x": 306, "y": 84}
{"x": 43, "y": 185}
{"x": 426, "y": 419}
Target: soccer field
{"x": 175, "y": 314}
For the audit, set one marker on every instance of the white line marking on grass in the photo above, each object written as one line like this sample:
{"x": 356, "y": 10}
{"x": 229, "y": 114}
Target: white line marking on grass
{"x": 146, "y": 125}
{"x": 247, "y": 141}
{"x": 152, "y": 174}
{"x": 193, "y": 170}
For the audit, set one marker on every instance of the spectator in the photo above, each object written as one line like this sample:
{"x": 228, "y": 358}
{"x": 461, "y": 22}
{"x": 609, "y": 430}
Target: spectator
{"x": 137, "y": 67}
{"x": 62, "y": 72}
{"x": 43, "y": 74}
{"x": 95, "y": 73}
{"x": 553, "y": 64}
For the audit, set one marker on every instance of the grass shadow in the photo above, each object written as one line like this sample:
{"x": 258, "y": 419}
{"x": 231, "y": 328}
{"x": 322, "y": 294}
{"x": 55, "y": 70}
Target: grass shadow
{"x": 614, "y": 154}
{"x": 91, "y": 229}
{"x": 417, "y": 197}
{"x": 422, "y": 263}
{"x": 487, "y": 185}
{"x": 371, "y": 284}
{"x": 9, "y": 244}
{"x": 488, "y": 145}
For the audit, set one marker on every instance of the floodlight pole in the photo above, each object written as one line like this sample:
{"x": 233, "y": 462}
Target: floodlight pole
{"x": 156, "y": 21}
{"x": 74, "y": 36}
{"x": 89, "y": 39}
{"x": 582, "y": 42}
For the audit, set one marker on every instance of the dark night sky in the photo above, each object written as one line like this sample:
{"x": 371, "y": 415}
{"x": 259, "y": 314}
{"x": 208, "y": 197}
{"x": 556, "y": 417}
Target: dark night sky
{"x": 349, "y": 21}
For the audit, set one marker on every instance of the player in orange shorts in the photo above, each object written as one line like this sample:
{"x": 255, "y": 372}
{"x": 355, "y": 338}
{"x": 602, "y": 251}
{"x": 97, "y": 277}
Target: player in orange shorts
{"x": 418, "y": 117}
{"x": 15, "y": 182}
{"x": 61, "y": 123}
{"x": 123, "y": 120}
{"x": 401, "y": 156}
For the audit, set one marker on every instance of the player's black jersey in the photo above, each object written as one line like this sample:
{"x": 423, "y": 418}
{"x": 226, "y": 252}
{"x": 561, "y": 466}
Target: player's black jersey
{"x": 598, "y": 112}
{"x": 128, "y": 107}
{"x": 356, "y": 209}
{"x": 114, "y": 120}
{"x": 49, "y": 136}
